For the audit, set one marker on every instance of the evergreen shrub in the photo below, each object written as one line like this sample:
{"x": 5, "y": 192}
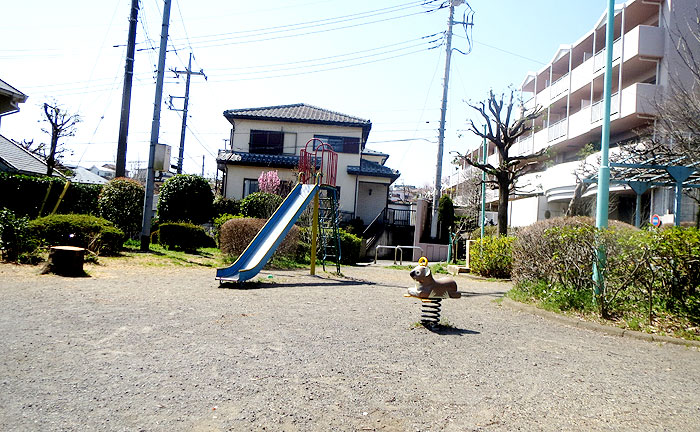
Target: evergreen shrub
{"x": 492, "y": 257}
{"x": 236, "y": 234}
{"x": 121, "y": 201}
{"x": 184, "y": 236}
{"x": 260, "y": 205}
{"x": 91, "y": 232}
{"x": 185, "y": 198}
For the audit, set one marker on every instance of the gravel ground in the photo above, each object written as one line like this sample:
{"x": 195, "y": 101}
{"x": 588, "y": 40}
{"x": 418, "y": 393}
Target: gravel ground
{"x": 166, "y": 349}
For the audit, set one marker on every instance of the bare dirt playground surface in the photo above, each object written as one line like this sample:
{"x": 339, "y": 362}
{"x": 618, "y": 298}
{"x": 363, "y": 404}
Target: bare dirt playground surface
{"x": 164, "y": 348}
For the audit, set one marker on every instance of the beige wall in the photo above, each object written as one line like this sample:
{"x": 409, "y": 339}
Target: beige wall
{"x": 296, "y": 137}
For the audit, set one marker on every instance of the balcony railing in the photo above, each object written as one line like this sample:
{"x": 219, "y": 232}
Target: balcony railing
{"x": 599, "y": 59}
{"x": 557, "y": 130}
{"x": 559, "y": 86}
{"x": 597, "y": 108}
{"x": 525, "y": 145}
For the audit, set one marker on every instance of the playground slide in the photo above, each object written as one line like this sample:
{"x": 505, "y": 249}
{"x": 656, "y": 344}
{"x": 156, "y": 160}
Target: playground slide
{"x": 259, "y": 251}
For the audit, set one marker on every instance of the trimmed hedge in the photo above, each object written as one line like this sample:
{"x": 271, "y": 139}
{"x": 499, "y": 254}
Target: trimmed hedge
{"x": 24, "y": 195}
{"x": 15, "y": 242}
{"x": 185, "y": 198}
{"x": 236, "y": 234}
{"x": 91, "y": 232}
{"x": 492, "y": 256}
{"x": 224, "y": 206}
{"x": 184, "y": 236}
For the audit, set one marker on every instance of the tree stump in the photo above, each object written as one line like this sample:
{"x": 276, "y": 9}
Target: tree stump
{"x": 65, "y": 261}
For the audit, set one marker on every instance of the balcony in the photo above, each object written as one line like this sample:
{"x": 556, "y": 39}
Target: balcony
{"x": 598, "y": 108}
{"x": 559, "y": 87}
{"x": 557, "y": 130}
{"x": 599, "y": 58}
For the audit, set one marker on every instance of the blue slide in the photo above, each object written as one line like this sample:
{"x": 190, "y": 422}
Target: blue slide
{"x": 259, "y": 251}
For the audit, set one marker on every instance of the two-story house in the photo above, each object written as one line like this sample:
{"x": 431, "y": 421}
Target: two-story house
{"x": 570, "y": 90}
{"x": 271, "y": 138}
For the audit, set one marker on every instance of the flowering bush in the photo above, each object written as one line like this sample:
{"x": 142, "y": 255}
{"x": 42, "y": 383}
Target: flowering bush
{"x": 269, "y": 182}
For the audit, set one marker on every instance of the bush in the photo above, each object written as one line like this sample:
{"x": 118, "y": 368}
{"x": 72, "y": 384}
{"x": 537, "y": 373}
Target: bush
{"x": 534, "y": 251}
{"x": 489, "y": 230}
{"x": 15, "y": 242}
{"x": 224, "y": 206}
{"x": 184, "y": 236}
{"x": 446, "y": 217}
{"x": 260, "y": 205}
{"x": 24, "y": 195}
{"x": 350, "y": 246}
{"x": 492, "y": 257}
{"x": 121, "y": 201}
{"x": 185, "y": 198}
{"x": 93, "y": 233}
{"x": 236, "y": 234}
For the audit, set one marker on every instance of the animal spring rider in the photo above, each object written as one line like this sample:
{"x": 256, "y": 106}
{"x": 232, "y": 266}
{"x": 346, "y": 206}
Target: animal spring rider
{"x": 431, "y": 292}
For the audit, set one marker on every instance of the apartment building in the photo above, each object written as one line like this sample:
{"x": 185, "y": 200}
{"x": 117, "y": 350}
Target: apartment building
{"x": 570, "y": 90}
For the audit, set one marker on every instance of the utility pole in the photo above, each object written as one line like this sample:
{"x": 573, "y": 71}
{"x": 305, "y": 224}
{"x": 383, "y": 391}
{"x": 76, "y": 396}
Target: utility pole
{"x": 126, "y": 93}
{"x": 155, "y": 129}
{"x": 202, "y": 165}
{"x": 443, "y": 115}
{"x": 189, "y": 73}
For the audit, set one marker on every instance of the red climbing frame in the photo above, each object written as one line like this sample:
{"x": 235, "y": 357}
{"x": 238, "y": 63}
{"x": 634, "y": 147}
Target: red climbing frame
{"x": 320, "y": 160}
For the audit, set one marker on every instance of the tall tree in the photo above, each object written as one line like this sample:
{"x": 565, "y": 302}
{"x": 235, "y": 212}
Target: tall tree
{"x": 62, "y": 124}
{"x": 503, "y": 130}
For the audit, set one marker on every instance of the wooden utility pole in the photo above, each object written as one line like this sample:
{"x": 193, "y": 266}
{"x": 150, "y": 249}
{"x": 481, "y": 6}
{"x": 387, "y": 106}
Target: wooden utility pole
{"x": 155, "y": 129}
{"x": 189, "y": 73}
{"x": 126, "y": 93}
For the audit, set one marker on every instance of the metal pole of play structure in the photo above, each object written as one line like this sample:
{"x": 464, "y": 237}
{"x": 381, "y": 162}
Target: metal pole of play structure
{"x": 314, "y": 230}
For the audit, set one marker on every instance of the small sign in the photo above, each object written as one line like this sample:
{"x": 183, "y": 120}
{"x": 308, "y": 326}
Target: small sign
{"x": 656, "y": 220}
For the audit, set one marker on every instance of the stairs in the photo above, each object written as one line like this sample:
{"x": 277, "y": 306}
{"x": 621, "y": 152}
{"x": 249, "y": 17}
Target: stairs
{"x": 329, "y": 238}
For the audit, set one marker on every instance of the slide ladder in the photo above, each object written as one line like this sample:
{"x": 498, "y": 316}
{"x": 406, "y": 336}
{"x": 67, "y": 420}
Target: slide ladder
{"x": 328, "y": 218}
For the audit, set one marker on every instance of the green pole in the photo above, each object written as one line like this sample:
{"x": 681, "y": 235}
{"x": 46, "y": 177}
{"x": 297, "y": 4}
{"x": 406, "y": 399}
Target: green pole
{"x": 603, "y": 193}
{"x": 483, "y": 188}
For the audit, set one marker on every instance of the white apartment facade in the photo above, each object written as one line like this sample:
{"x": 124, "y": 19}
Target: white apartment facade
{"x": 570, "y": 90}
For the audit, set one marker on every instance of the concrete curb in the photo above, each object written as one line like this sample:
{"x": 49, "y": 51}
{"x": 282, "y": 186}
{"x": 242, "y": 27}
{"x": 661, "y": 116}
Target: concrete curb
{"x": 609, "y": 330}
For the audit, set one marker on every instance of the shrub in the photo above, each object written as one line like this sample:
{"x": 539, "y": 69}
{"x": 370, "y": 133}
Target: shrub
{"x": 446, "y": 216}
{"x": 93, "y": 233}
{"x": 269, "y": 182}
{"x": 260, "y": 205}
{"x": 185, "y": 198}
{"x": 236, "y": 234}
{"x": 534, "y": 250}
{"x": 121, "y": 201}
{"x": 15, "y": 242}
{"x": 184, "y": 236}
{"x": 492, "y": 256}
{"x": 220, "y": 220}
{"x": 489, "y": 230}
{"x": 24, "y": 195}
{"x": 350, "y": 246}
{"x": 223, "y": 206}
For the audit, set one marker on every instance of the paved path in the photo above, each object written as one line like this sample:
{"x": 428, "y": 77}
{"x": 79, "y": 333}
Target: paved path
{"x": 163, "y": 348}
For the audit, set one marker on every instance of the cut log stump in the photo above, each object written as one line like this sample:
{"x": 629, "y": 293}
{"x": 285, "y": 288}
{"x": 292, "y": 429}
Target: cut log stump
{"x": 65, "y": 261}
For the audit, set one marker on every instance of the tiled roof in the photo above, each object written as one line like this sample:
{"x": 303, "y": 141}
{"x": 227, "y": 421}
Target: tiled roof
{"x": 243, "y": 158}
{"x": 14, "y": 158}
{"x": 297, "y": 113}
{"x": 369, "y": 168}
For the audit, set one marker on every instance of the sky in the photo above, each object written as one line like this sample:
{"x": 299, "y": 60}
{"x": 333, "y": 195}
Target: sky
{"x": 380, "y": 60}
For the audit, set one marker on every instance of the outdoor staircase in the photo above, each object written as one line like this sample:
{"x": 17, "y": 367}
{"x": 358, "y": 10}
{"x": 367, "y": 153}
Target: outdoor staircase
{"x": 328, "y": 215}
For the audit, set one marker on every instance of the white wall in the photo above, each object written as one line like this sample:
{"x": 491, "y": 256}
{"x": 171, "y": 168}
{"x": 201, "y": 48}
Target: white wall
{"x": 371, "y": 199}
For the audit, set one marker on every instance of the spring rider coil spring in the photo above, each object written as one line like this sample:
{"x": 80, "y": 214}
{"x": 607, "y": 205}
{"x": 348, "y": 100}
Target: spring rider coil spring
{"x": 430, "y": 312}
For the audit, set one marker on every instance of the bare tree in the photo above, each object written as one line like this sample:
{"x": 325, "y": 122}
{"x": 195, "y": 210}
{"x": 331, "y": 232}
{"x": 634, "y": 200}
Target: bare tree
{"x": 62, "y": 124}
{"x": 503, "y": 130}
{"x": 38, "y": 149}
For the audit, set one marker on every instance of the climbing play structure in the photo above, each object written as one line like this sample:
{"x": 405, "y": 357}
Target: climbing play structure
{"x": 318, "y": 165}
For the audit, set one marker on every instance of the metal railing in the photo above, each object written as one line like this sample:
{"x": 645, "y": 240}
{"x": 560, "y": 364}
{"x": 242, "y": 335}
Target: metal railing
{"x": 557, "y": 130}
{"x": 597, "y": 108}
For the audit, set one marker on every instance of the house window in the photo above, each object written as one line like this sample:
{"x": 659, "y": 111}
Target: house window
{"x": 341, "y": 144}
{"x": 266, "y": 142}
{"x": 249, "y": 186}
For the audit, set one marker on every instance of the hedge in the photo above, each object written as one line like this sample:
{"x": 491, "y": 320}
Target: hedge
{"x": 24, "y": 195}
{"x": 184, "y": 236}
{"x": 93, "y": 233}
{"x": 236, "y": 234}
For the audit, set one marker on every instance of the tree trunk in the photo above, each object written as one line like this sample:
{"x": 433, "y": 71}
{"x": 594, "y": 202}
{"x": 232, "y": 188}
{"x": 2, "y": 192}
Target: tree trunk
{"x": 51, "y": 160}
{"x": 65, "y": 261}
{"x": 503, "y": 193}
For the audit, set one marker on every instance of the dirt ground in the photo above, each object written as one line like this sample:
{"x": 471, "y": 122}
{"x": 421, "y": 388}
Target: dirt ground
{"x": 165, "y": 348}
